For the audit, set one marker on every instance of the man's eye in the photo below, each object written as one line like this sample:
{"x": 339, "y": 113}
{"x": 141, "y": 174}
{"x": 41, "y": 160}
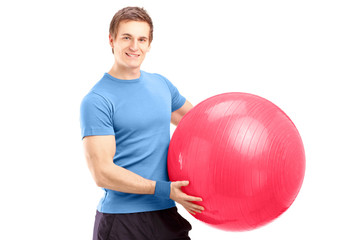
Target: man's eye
{"x": 126, "y": 38}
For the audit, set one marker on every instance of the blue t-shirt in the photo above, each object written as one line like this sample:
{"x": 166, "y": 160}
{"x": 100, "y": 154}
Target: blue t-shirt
{"x": 138, "y": 113}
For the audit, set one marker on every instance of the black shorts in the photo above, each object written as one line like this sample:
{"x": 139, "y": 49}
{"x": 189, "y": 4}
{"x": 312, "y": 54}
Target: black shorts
{"x": 165, "y": 224}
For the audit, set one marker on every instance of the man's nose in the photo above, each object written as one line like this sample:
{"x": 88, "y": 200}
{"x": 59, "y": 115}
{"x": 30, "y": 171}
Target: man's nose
{"x": 134, "y": 45}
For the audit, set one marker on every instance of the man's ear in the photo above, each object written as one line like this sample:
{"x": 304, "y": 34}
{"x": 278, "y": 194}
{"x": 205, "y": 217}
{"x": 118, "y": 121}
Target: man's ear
{"x": 111, "y": 41}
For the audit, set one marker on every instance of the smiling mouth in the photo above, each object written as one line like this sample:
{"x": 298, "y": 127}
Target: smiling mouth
{"x": 132, "y": 55}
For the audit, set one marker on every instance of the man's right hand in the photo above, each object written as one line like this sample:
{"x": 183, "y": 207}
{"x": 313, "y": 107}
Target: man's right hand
{"x": 185, "y": 200}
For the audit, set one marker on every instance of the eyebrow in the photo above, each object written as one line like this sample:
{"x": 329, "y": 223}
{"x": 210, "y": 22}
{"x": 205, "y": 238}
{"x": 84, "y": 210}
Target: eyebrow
{"x": 128, "y": 34}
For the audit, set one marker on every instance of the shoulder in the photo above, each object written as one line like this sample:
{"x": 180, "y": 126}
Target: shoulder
{"x": 92, "y": 96}
{"x": 99, "y": 92}
{"x": 95, "y": 99}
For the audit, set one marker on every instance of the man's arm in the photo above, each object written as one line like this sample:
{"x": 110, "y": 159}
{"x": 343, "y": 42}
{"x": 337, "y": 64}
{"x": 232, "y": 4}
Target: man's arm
{"x": 99, "y": 153}
{"x": 177, "y": 115}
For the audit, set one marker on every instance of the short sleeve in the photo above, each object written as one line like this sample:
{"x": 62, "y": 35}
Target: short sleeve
{"x": 95, "y": 116}
{"x": 177, "y": 100}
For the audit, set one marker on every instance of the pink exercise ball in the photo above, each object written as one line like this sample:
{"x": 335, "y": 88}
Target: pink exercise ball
{"x": 242, "y": 155}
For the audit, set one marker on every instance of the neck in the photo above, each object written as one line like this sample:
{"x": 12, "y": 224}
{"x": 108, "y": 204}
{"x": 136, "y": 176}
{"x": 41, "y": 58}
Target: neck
{"x": 124, "y": 73}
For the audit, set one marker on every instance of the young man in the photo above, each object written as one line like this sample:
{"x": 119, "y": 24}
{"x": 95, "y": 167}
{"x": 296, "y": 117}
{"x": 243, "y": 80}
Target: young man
{"x": 125, "y": 123}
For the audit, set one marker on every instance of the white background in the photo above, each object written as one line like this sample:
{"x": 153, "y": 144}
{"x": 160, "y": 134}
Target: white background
{"x": 304, "y": 56}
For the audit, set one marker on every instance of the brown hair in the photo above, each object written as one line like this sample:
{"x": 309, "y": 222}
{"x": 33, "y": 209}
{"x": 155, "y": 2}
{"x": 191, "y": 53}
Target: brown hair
{"x": 130, "y": 14}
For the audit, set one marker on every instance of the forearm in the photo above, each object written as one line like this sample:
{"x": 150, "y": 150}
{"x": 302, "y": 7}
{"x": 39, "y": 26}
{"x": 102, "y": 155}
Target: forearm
{"x": 120, "y": 179}
{"x": 114, "y": 177}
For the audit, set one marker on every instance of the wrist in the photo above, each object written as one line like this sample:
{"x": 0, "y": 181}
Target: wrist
{"x": 162, "y": 189}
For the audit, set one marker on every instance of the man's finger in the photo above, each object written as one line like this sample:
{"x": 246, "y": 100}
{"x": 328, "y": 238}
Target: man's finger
{"x": 193, "y": 199}
{"x": 197, "y": 207}
{"x": 183, "y": 183}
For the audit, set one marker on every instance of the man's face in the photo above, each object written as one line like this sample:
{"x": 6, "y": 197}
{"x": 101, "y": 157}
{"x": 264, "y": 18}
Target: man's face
{"x": 131, "y": 44}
